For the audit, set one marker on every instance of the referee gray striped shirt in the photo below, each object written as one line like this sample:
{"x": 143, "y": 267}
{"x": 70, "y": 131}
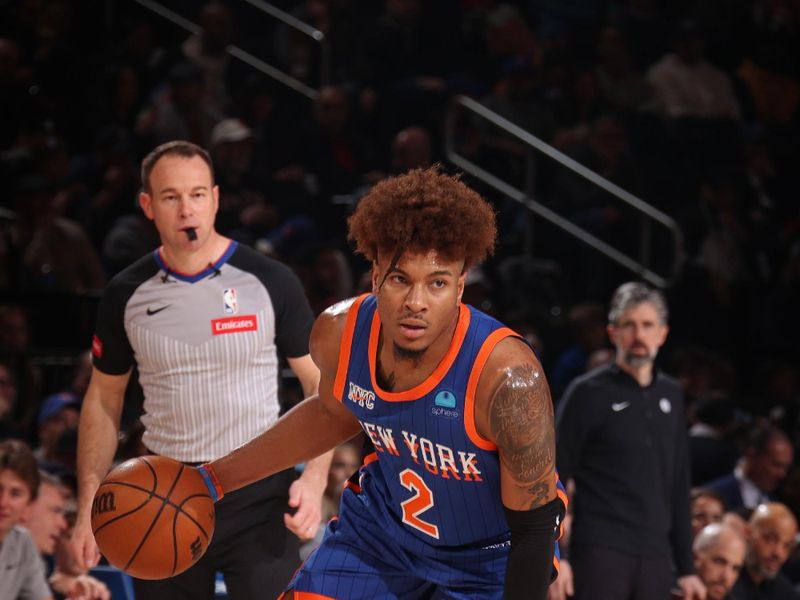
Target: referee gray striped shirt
{"x": 206, "y": 347}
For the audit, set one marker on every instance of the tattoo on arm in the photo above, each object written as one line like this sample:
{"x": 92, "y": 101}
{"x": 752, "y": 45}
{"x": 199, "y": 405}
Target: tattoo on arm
{"x": 522, "y": 425}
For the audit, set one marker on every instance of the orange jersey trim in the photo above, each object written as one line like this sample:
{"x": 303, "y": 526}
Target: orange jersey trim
{"x": 434, "y": 378}
{"x": 305, "y": 596}
{"x": 349, "y": 485}
{"x": 472, "y": 384}
{"x": 560, "y": 493}
{"x": 370, "y": 458}
{"x": 344, "y": 348}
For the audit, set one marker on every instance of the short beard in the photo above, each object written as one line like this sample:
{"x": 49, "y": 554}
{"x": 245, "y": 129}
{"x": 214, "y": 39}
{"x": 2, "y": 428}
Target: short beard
{"x": 415, "y": 356}
{"x": 637, "y": 362}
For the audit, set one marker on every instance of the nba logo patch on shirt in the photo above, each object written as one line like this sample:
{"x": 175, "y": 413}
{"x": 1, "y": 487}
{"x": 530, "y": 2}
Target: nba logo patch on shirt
{"x": 445, "y": 399}
{"x": 229, "y": 303}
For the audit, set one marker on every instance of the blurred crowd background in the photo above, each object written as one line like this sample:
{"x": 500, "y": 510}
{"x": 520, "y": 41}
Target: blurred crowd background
{"x": 691, "y": 105}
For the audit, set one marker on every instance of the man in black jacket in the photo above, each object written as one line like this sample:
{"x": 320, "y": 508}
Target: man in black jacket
{"x": 773, "y": 529}
{"x": 621, "y": 437}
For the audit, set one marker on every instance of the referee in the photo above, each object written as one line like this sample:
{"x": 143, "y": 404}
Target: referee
{"x": 621, "y": 436}
{"x": 203, "y": 320}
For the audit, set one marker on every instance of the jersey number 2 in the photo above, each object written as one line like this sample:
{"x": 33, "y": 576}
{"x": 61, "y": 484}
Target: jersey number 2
{"x": 421, "y": 501}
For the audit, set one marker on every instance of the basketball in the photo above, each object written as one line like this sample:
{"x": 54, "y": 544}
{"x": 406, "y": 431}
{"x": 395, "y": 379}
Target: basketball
{"x": 152, "y": 517}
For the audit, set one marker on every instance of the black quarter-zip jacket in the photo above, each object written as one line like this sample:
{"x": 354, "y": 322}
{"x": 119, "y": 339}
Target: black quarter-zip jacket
{"x": 626, "y": 447}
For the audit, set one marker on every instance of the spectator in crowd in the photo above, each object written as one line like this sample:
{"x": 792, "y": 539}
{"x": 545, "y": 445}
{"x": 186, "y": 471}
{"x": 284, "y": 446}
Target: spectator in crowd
{"x": 687, "y": 85}
{"x": 622, "y": 86}
{"x": 23, "y": 570}
{"x": 712, "y": 453}
{"x": 46, "y": 523}
{"x": 771, "y": 540}
{"x": 131, "y": 236}
{"x": 179, "y": 112}
{"x": 737, "y": 522}
{"x": 244, "y": 213}
{"x": 515, "y": 97}
{"x": 58, "y": 415}
{"x": 15, "y": 80}
{"x": 718, "y": 558}
{"x": 16, "y": 350}
{"x": 588, "y": 329}
{"x": 771, "y": 93}
{"x": 764, "y": 465}
{"x": 8, "y": 399}
{"x": 208, "y": 51}
{"x": 336, "y": 152}
{"x": 345, "y": 462}
{"x": 622, "y": 438}
{"x": 412, "y": 148}
{"x": 707, "y": 508}
{"x": 56, "y": 253}
{"x": 329, "y": 280}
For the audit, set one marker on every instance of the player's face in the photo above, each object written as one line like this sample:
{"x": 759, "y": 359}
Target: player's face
{"x": 182, "y": 196}
{"x": 637, "y": 335}
{"x": 771, "y": 542}
{"x": 15, "y": 500}
{"x": 418, "y": 300}
{"x": 46, "y": 522}
{"x": 719, "y": 567}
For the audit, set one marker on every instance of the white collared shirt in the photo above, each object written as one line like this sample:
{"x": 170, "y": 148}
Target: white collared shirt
{"x": 751, "y": 495}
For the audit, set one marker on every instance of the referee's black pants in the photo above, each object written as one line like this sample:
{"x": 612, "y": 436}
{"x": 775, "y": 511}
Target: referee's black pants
{"x": 251, "y": 546}
{"x": 604, "y": 574}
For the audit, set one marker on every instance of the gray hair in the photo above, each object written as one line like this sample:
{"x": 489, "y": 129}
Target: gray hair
{"x": 714, "y": 534}
{"x": 632, "y": 294}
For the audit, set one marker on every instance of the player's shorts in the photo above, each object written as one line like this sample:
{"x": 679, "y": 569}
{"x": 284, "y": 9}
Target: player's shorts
{"x": 359, "y": 559}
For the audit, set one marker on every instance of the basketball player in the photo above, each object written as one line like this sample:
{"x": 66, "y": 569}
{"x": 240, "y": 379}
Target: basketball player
{"x": 203, "y": 319}
{"x": 460, "y": 498}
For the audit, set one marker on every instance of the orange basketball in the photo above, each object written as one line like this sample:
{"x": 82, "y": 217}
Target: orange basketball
{"x": 153, "y": 517}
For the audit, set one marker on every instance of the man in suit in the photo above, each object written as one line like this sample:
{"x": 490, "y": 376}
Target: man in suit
{"x": 763, "y": 467}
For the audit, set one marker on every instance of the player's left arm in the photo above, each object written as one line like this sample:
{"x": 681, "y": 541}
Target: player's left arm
{"x": 305, "y": 494}
{"x": 515, "y": 411}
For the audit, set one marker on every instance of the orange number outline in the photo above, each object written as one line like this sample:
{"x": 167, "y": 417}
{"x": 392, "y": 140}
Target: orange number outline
{"x": 419, "y": 503}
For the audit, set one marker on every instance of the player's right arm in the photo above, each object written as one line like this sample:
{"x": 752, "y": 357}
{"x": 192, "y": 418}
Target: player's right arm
{"x": 316, "y": 425}
{"x": 97, "y": 442}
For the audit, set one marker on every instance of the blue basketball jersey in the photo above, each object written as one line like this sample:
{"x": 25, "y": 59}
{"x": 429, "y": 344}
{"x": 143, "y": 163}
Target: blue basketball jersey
{"x": 437, "y": 479}
{"x": 426, "y": 520}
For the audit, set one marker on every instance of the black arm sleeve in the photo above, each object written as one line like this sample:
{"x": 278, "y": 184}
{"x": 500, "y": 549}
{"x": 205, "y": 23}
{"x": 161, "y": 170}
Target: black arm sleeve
{"x": 530, "y": 561}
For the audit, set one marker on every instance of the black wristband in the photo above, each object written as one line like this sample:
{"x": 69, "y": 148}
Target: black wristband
{"x": 530, "y": 561}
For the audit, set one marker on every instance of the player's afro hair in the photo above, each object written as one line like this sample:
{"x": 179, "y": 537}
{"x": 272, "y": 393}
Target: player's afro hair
{"x": 420, "y": 211}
